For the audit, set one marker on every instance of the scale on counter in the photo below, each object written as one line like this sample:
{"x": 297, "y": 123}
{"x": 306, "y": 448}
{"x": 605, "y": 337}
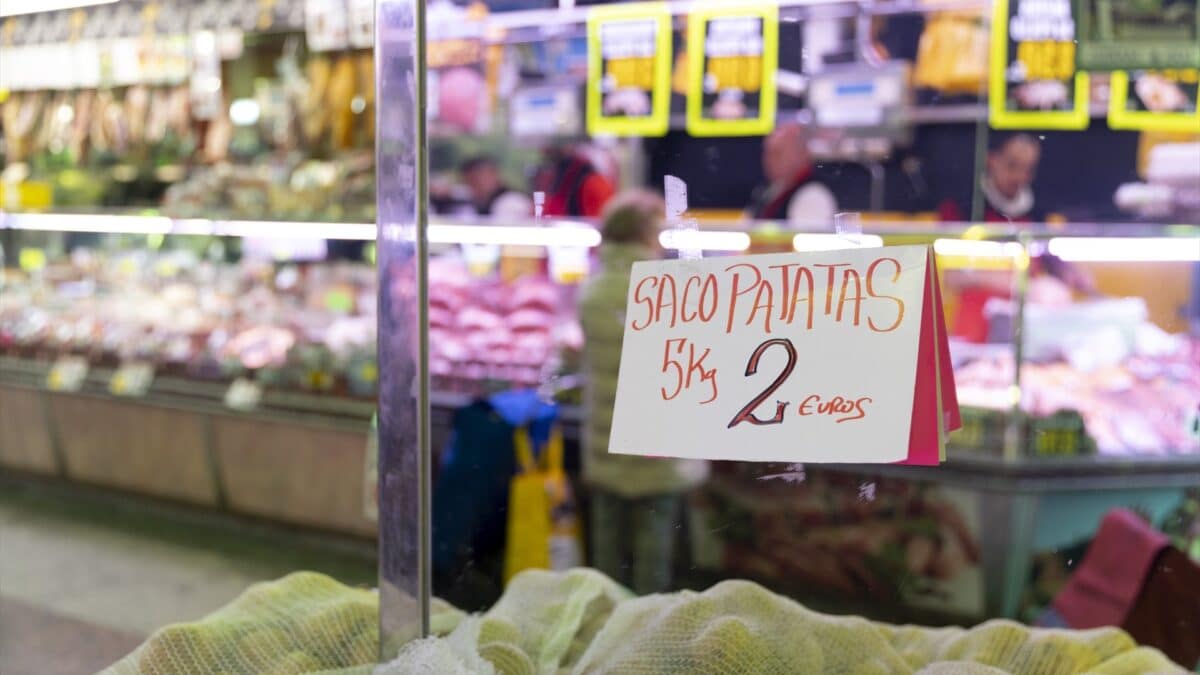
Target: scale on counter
{"x": 545, "y": 111}
{"x": 860, "y": 112}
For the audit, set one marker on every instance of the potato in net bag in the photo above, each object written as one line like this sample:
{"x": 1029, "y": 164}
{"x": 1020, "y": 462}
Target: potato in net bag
{"x": 739, "y": 627}
{"x": 303, "y": 623}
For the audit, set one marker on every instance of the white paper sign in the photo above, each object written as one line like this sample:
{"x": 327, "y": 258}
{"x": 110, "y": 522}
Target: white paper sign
{"x": 797, "y": 357}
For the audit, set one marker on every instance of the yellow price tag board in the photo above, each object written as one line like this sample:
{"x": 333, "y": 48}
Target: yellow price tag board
{"x": 67, "y": 374}
{"x": 132, "y": 379}
{"x": 733, "y": 53}
{"x": 629, "y": 70}
{"x": 1158, "y": 100}
{"x": 1033, "y": 83}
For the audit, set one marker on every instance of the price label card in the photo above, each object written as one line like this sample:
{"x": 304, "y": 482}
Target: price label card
{"x": 243, "y": 395}
{"x": 629, "y": 70}
{"x": 67, "y": 374}
{"x": 835, "y": 356}
{"x": 1155, "y": 100}
{"x": 1033, "y": 83}
{"x": 132, "y": 379}
{"x": 733, "y": 52}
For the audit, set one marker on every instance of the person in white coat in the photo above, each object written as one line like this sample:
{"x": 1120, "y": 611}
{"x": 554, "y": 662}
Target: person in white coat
{"x": 792, "y": 193}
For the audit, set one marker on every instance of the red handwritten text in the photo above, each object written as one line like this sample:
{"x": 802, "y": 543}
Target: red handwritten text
{"x": 770, "y": 297}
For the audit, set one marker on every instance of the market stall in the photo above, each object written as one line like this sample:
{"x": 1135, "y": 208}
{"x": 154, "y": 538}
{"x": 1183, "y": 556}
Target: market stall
{"x": 191, "y": 307}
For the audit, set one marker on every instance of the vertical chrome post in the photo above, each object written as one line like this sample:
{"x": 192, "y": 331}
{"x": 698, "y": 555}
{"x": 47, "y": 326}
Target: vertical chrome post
{"x": 403, "y": 256}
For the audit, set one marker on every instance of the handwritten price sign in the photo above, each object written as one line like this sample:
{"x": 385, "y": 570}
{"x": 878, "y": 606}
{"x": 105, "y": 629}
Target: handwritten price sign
{"x": 835, "y": 356}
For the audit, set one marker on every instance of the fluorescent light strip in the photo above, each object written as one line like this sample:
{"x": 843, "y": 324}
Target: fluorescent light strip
{"x": 817, "y": 241}
{"x": 561, "y": 235}
{"x": 513, "y": 235}
{"x": 59, "y": 222}
{"x": 973, "y": 248}
{"x": 15, "y": 7}
{"x": 702, "y": 240}
{"x": 1126, "y": 249}
{"x": 266, "y": 229}
{"x": 200, "y": 226}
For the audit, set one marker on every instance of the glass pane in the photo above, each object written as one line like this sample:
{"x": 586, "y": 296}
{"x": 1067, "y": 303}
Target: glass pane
{"x": 775, "y": 119}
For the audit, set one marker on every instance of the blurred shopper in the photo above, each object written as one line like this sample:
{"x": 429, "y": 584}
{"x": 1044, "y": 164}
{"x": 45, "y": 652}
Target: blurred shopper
{"x": 490, "y": 196}
{"x": 792, "y": 193}
{"x": 636, "y": 501}
{"x": 572, "y": 183}
{"x": 1007, "y": 182}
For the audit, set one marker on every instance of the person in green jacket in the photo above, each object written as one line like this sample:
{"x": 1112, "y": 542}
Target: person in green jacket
{"x": 636, "y": 501}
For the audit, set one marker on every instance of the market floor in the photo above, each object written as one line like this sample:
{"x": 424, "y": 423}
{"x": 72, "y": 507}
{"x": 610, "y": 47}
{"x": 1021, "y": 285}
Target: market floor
{"x": 83, "y": 581}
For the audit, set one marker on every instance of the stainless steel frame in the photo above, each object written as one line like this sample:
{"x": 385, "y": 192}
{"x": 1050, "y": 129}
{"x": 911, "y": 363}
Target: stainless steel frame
{"x": 403, "y": 256}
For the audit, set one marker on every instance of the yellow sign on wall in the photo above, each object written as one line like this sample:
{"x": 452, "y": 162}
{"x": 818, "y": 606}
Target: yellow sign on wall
{"x": 1162, "y": 100}
{"x": 629, "y": 70}
{"x": 733, "y": 52}
{"x": 1033, "y": 83}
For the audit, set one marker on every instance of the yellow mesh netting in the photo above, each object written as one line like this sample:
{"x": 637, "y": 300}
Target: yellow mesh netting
{"x": 581, "y": 622}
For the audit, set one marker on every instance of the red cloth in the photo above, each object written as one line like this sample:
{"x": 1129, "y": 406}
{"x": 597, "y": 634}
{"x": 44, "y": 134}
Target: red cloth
{"x": 969, "y": 321}
{"x": 1108, "y": 581}
{"x": 574, "y": 188}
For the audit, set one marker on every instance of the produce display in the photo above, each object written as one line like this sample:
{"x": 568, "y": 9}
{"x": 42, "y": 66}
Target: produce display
{"x": 1133, "y": 389}
{"x": 582, "y": 622}
{"x": 1136, "y": 387}
{"x": 870, "y": 539}
{"x": 513, "y": 332}
{"x": 307, "y": 326}
{"x": 288, "y": 187}
{"x": 296, "y": 145}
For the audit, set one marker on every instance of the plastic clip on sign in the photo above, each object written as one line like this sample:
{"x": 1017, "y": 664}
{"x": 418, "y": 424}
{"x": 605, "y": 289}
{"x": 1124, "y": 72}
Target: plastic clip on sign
{"x": 684, "y": 231}
{"x": 848, "y": 227}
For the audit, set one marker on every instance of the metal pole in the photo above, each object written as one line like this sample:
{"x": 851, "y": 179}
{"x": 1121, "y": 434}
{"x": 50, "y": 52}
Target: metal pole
{"x": 402, "y": 256}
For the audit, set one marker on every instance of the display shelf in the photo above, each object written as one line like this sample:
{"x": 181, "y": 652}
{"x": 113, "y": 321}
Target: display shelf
{"x": 1058, "y": 474}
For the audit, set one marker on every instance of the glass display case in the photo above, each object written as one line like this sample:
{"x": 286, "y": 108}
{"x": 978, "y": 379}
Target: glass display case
{"x": 1103, "y": 412}
{"x": 212, "y": 226}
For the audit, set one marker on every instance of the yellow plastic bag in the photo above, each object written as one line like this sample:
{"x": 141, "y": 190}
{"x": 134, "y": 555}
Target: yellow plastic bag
{"x": 543, "y": 524}
{"x": 952, "y": 55}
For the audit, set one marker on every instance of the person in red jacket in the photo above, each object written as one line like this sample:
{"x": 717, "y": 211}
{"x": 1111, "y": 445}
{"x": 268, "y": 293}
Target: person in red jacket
{"x": 1007, "y": 182}
{"x": 573, "y": 185}
{"x": 1006, "y": 185}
